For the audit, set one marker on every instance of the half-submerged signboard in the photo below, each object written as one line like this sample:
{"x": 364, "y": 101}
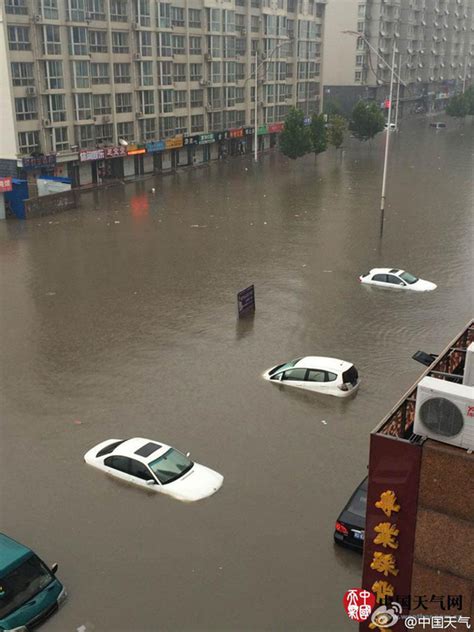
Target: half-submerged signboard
{"x": 246, "y": 301}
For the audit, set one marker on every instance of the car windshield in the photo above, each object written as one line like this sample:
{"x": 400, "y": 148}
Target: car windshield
{"x": 22, "y": 584}
{"x": 358, "y": 504}
{"x": 409, "y": 278}
{"x": 170, "y": 466}
{"x": 284, "y": 367}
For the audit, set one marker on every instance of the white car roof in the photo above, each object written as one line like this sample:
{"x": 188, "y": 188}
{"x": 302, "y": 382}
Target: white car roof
{"x": 132, "y": 448}
{"x": 320, "y": 362}
{"x": 385, "y": 271}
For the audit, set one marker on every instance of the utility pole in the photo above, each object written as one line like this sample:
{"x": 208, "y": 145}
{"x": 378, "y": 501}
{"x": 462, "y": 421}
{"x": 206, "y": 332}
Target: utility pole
{"x": 398, "y": 92}
{"x": 387, "y": 132}
{"x": 256, "y": 108}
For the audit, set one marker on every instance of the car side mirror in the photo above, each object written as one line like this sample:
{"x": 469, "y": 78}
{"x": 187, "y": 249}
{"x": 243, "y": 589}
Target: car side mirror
{"x": 151, "y": 482}
{"x": 188, "y": 454}
{"x": 54, "y": 568}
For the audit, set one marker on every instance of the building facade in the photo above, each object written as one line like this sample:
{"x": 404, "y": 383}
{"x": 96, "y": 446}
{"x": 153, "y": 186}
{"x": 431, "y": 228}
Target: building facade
{"x": 114, "y": 88}
{"x": 434, "y": 44}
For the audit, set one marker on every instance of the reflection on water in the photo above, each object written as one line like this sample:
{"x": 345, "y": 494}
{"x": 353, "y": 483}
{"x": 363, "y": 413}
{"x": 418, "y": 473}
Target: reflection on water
{"x": 131, "y": 327}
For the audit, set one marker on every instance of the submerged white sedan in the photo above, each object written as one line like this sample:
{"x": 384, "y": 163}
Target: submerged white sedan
{"x": 396, "y": 279}
{"x": 155, "y": 466}
{"x": 316, "y": 373}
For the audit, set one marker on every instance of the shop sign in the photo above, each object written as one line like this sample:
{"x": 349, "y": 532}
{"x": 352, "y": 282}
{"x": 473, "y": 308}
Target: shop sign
{"x": 248, "y": 131}
{"x": 91, "y": 154}
{"x": 174, "y": 143}
{"x": 275, "y": 128}
{"x": 190, "y": 140}
{"x": 236, "y": 133}
{"x": 115, "y": 152}
{"x": 154, "y": 146}
{"x": 136, "y": 152}
{"x": 37, "y": 162}
{"x": 221, "y": 135}
{"x": 206, "y": 138}
{"x": 262, "y": 129}
{"x": 5, "y": 185}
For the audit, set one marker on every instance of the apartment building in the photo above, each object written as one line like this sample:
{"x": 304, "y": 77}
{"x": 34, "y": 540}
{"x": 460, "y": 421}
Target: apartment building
{"x": 114, "y": 88}
{"x": 433, "y": 39}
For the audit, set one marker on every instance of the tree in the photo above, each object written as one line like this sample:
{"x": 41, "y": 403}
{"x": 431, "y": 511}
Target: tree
{"x": 366, "y": 120}
{"x": 294, "y": 139}
{"x": 458, "y": 106}
{"x": 469, "y": 94}
{"x": 317, "y": 133}
{"x": 337, "y": 129}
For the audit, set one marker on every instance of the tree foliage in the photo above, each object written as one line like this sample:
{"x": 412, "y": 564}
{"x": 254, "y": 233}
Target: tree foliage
{"x": 295, "y": 139}
{"x": 336, "y": 131}
{"x": 366, "y": 120}
{"x": 317, "y": 133}
{"x": 460, "y": 105}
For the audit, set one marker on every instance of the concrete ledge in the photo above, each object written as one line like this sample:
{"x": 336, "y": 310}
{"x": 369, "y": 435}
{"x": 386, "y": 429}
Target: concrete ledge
{"x": 51, "y": 204}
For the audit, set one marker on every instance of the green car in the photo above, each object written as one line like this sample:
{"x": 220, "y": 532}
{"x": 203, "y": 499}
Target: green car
{"x": 29, "y": 591}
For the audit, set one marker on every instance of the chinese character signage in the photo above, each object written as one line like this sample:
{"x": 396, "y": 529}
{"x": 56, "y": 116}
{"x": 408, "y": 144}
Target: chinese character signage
{"x": 174, "y": 143}
{"x": 91, "y": 154}
{"x": 190, "y": 140}
{"x": 154, "y": 146}
{"x": 204, "y": 139}
{"x": 236, "y": 133}
{"x": 221, "y": 135}
{"x": 262, "y": 129}
{"x": 275, "y": 128}
{"x": 36, "y": 162}
{"x": 5, "y": 185}
{"x": 248, "y": 131}
{"x": 115, "y": 152}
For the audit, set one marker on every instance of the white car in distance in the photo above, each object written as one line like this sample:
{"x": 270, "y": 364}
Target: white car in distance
{"x": 156, "y": 467}
{"x": 395, "y": 279}
{"x": 315, "y": 373}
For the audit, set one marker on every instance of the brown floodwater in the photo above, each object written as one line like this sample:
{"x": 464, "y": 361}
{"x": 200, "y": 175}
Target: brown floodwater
{"x": 119, "y": 320}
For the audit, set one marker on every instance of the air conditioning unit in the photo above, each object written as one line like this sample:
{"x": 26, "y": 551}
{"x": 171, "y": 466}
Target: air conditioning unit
{"x": 445, "y": 412}
{"x": 30, "y": 91}
{"x": 203, "y": 82}
{"x": 135, "y": 26}
{"x": 139, "y": 114}
{"x": 37, "y": 18}
{"x": 207, "y": 57}
{"x": 46, "y": 122}
{"x": 137, "y": 56}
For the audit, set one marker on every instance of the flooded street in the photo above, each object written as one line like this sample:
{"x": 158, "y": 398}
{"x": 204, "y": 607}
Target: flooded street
{"x": 119, "y": 320}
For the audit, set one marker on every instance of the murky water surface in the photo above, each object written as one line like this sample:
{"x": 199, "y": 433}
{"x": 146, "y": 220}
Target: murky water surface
{"x": 123, "y": 317}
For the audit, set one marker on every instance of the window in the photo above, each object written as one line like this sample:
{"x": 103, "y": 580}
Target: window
{"x": 315, "y": 375}
{"x": 229, "y": 46}
{"x": 49, "y": 9}
{"x": 59, "y": 138}
{"x": 294, "y": 374}
{"x": 197, "y": 123}
{"x": 104, "y": 133}
{"x": 181, "y": 123}
{"x": 178, "y": 45}
{"x": 214, "y": 45}
{"x": 164, "y": 44}
{"x": 146, "y": 101}
{"x": 120, "y": 42}
{"x": 254, "y": 23}
{"x": 22, "y": 74}
{"x": 228, "y": 21}
{"x": 101, "y": 104}
{"x": 165, "y": 70}
{"x": 19, "y": 38}
{"x": 359, "y": 60}
{"x": 142, "y": 12}
{"x": 164, "y": 19}
{"x": 167, "y": 101}
{"x": 80, "y": 74}
{"x": 26, "y": 109}
{"x": 360, "y": 44}
{"x": 148, "y": 129}
{"x": 179, "y": 72}
{"x": 100, "y": 73}
{"x": 18, "y": 7}
{"x": 240, "y": 46}
{"x": 170, "y": 466}
{"x": 194, "y": 18}
{"x": 229, "y": 72}
{"x": 195, "y": 72}
{"x": 361, "y": 10}
{"x": 51, "y": 40}
{"x": 56, "y": 107}
{"x": 144, "y": 43}
{"x": 391, "y": 278}
{"x": 98, "y": 41}
{"x": 196, "y": 98}
{"x": 214, "y": 20}
{"x": 119, "y": 10}
{"x": 53, "y": 71}
{"x": 28, "y": 142}
{"x": 125, "y": 130}
{"x": 85, "y": 138}
{"x": 76, "y": 10}
{"x": 145, "y": 73}
{"x": 120, "y": 463}
{"x": 195, "y": 46}
{"x": 95, "y": 9}
{"x": 122, "y": 73}
{"x": 269, "y": 116}
{"x": 140, "y": 470}
{"x": 409, "y": 278}
{"x": 270, "y": 93}
{"x": 123, "y": 102}
{"x": 77, "y": 40}
{"x": 239, "y": 95}
{"x": 180, "y": 98}
{"x": 216, "y": 71}
{"x": 381, "y": 278}
{"x": 82, "y": 103}
{"x": 239, "y": 71}
{"x": 177, "y": 16}
{"x": 357, "y": 76}
{"x": 214, "y": 97}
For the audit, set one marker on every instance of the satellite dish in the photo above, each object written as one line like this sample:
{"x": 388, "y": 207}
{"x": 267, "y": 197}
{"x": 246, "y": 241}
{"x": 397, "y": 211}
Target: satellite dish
{"x": 123, "y": 142}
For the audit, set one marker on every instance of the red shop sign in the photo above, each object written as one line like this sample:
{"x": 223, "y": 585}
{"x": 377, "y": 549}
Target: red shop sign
{"x": 5, "y": 185}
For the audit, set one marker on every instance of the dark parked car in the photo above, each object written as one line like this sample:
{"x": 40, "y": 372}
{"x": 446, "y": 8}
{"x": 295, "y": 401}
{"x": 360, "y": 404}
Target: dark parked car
{"x": 350, "y": 526}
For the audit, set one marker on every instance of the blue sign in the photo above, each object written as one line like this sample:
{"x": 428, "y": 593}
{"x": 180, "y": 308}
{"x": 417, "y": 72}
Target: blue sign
{"x": 307, "y": 120}
{"x": 246, "y": 300}
{"x": 154, "y": 146}
{"x": 36, "y": 162}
